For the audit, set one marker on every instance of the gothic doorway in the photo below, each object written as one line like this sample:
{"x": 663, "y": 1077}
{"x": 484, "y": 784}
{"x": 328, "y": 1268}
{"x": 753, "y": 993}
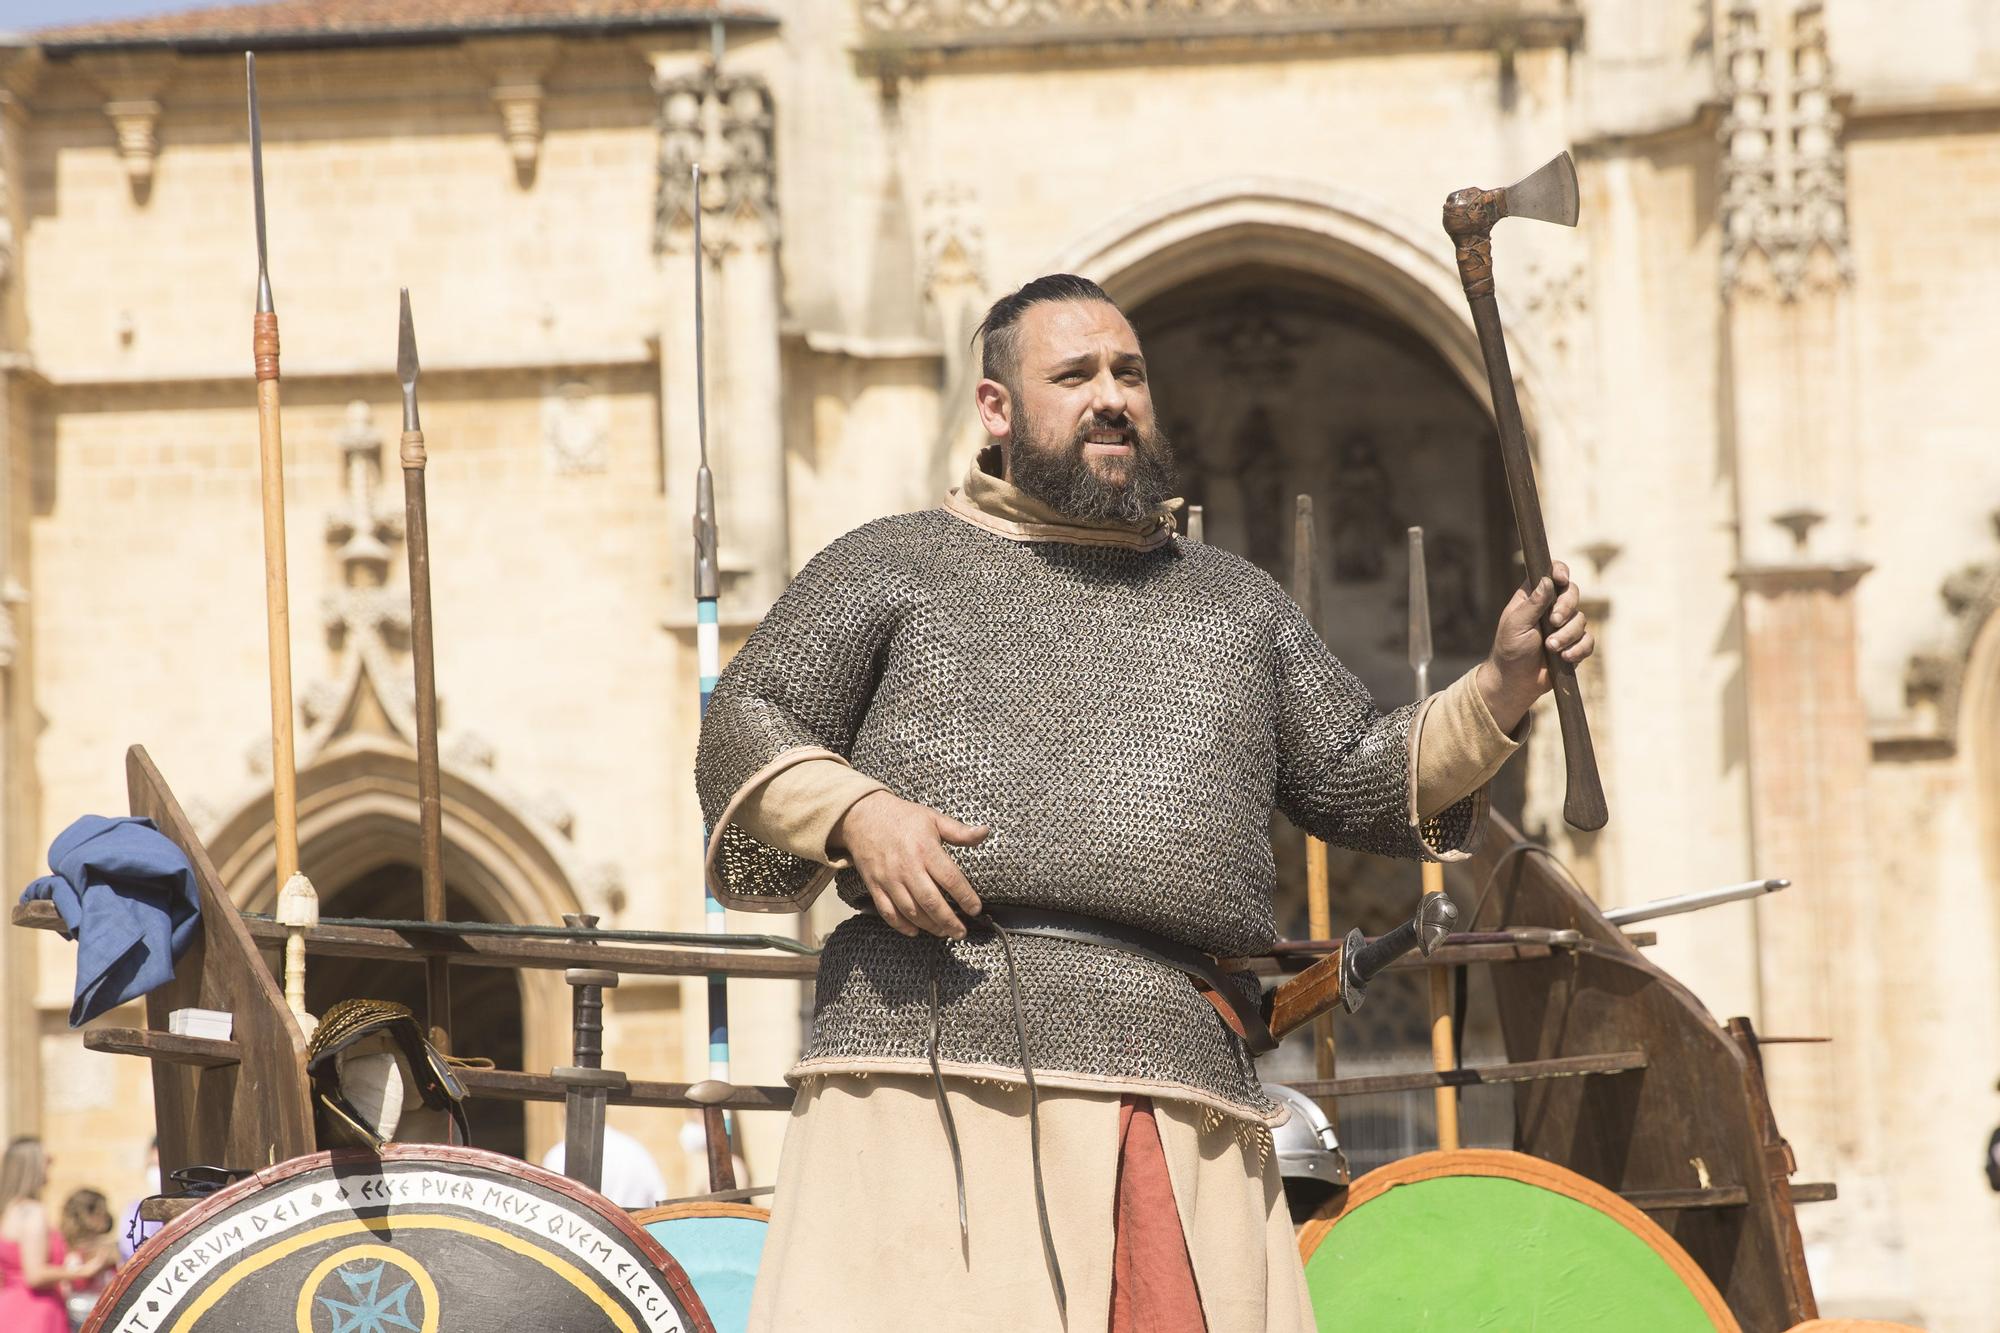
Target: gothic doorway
{"x": 486, "y": 1010}
{"x": 1274, "y": 383}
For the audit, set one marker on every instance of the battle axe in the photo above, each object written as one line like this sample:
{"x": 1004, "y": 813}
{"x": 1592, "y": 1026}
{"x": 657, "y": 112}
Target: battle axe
{"x": 1548, "y": 195}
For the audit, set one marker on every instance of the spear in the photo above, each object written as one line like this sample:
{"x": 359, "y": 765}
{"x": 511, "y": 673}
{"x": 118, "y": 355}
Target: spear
{"x": 708, "y": 654}
{"x": 1319, "y": 901}
{"x": 298, "y": 904}
{"x": 430, "y": 802}
{"x": 1442, "y": 1056}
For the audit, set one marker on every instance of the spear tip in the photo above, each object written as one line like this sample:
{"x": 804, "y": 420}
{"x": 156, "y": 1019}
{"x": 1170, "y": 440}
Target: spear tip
{"x": 406, "y": 362}
{"x": 265, "y": 304}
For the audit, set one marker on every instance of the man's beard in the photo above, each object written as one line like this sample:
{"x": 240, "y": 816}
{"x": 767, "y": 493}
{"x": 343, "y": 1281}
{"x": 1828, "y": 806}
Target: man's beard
{"x": 1057, "y": 473}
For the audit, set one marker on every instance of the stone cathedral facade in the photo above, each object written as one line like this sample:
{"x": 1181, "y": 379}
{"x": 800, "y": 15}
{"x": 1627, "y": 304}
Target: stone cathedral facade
{"x": 1755, "y": 378}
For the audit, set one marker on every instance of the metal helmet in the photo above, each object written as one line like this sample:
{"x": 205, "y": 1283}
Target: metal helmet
{"x": 1305, "y": 1144}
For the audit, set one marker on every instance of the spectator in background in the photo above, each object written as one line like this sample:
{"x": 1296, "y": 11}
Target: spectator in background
{"x": 86, "y": 1229}
{"x": 35, "y": 1268}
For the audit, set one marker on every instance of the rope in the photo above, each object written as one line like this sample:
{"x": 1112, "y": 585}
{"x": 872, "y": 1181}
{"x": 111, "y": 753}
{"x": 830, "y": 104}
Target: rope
{"x": 503, "y": 928}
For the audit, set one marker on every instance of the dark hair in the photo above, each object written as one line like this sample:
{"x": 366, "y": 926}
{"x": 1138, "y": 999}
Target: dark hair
{"x": 1000, "y": 350}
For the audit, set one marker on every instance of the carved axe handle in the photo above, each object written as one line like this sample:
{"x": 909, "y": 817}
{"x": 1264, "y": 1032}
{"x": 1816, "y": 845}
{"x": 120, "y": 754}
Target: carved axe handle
{"x": 1469, "y": 216}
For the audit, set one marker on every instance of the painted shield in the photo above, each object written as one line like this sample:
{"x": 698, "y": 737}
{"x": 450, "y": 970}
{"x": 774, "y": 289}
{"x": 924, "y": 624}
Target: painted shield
{"x": 421, "y": 1239}
{"x": 1447, "y": 1241}
{"x": 719, "y": 1246}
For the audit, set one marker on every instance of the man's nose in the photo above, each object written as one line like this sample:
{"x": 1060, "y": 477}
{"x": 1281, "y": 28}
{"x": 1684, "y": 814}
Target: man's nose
{"x": 1109, "y": 399}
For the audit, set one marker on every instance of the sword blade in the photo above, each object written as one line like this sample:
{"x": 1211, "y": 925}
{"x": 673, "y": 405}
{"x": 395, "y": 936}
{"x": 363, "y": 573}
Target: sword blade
{"x": 1547, "y": 194}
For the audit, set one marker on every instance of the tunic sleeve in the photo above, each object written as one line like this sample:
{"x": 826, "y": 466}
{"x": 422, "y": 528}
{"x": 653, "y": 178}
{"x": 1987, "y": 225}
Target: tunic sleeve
{"x": 796, "y": 691}
{"x": 1346, "y": 770}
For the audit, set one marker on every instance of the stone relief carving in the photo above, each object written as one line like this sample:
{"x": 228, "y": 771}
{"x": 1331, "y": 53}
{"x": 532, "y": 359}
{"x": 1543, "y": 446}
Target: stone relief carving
{"x": 1365, "y": 526}
{"x": 1934, "y": 680}
{"x": 954, "y": 244}
{"x": 576, "y": 429}
{"x": 367, "y": 623}
{"x": 1784, "y": 167}
{"x": 725, "y": 122}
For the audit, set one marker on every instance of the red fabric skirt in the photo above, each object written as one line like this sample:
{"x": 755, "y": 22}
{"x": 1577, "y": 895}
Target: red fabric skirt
{"x": 1152, "y": 1279}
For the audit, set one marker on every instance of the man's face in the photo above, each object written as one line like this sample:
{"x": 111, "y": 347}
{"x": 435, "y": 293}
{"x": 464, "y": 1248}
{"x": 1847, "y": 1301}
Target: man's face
{"x": 1080, "y": 419}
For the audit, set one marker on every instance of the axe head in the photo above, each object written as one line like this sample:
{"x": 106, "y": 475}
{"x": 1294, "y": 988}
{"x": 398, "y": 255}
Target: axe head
{"x": 1547, "y": 194}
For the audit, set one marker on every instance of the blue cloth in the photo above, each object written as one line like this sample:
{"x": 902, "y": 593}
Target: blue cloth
{"x": 128, "y": 898}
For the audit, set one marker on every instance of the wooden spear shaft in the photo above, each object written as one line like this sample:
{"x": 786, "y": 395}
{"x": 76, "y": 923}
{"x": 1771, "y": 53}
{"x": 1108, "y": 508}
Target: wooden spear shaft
{"x": 430, "y": 796}
{"x": 1319, "y": 894}
{"x": 1443, "y": 1057}
{"x": 298, "y": 904}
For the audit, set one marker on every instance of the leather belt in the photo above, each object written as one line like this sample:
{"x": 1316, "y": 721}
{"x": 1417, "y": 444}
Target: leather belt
{"x": 1249, "y": 1024}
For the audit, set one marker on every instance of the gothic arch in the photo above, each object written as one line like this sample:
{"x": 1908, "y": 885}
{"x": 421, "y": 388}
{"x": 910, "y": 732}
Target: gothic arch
{"x": 1333, "y": 233}
{"x": 357, "y": 804}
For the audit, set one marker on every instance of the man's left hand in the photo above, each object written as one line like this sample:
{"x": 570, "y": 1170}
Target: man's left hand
{"x": 1516, "y": 672}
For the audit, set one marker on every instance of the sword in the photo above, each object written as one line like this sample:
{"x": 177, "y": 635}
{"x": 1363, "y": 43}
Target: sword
{"x": 587, "y": 1085}
{"x": 1342, "y": 978}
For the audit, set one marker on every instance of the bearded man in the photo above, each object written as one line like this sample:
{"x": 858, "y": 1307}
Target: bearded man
{"x": 1036, "y": 739}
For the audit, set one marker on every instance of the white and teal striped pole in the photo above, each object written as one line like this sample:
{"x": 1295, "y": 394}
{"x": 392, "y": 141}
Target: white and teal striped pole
{"x": 707, "y": 635}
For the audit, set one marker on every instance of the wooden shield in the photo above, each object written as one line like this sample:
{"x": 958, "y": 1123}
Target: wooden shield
{"x": 719, "y": 1246}
{"x": 421, "y": 1239}
{"x": 1446, "y": 1241}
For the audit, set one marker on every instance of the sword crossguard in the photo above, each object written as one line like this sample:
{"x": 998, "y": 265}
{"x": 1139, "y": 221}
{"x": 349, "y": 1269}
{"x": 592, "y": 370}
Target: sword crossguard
{"x": 1363, "y": 959}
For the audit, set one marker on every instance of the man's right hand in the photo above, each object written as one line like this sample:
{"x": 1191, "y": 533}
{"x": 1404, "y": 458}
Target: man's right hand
{"x": 898, "y": 846}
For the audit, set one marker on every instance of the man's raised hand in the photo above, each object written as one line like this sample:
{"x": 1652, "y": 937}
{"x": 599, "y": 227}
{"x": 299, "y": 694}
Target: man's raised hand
{"x": 898, "y": 846}
{"x": 1516, "y": 672}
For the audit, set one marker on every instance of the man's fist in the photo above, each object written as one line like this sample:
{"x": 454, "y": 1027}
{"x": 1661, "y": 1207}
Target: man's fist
{"x": 1516, "y": 672}
{"x": 898, "y": 846}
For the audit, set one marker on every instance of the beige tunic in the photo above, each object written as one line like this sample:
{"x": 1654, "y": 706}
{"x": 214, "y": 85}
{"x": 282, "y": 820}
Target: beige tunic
{"x": 864, "y": 1224}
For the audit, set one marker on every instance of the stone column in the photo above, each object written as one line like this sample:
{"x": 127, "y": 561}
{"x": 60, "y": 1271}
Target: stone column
{"x": 20, "y": 1025}
{"x": 1787, "y": 291}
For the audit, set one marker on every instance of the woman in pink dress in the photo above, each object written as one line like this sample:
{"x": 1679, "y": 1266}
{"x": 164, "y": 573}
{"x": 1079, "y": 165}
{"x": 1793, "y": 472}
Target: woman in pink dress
{"x": 34, "y": 1266}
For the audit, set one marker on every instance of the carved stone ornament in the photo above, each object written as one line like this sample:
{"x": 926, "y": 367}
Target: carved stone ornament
{"x": 1934, "y": 680}
{"x": 723, "y": 121}
{"x": 519, "y": 67}
{"x": 1784, "y": 166}
{"x": 132, "y": 84}
{"x": 954, "y": 243}
{"x": 576, "y": 429}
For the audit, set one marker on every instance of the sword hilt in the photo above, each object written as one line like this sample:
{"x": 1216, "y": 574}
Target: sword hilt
{"x": 1362, "y": 959}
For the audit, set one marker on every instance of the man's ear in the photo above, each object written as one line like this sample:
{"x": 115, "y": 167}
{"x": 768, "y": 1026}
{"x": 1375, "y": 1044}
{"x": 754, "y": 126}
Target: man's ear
{"x": 996, "y": 408}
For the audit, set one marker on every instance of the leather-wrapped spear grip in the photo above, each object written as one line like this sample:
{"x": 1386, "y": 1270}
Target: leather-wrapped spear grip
{"x": 1469, "y": 215}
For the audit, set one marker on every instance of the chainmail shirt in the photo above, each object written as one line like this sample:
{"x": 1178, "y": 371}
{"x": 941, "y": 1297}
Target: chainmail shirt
{"x": 1124, "y": 720}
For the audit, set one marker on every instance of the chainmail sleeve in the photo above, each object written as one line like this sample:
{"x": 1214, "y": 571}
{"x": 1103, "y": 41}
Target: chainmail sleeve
{"x": 1345, "y": 769}
{"x": 797, "y": 690}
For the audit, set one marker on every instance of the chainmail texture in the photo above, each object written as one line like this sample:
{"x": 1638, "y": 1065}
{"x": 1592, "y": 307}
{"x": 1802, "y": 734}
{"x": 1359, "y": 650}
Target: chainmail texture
{"x": 1124, "y": 720}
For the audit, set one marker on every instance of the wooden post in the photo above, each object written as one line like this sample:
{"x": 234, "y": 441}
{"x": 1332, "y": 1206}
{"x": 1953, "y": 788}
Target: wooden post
{"x": 1319, "y": 894}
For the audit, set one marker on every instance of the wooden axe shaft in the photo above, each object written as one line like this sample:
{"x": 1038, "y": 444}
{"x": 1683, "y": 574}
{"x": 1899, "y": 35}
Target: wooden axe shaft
{"x": 1469, "y": 216}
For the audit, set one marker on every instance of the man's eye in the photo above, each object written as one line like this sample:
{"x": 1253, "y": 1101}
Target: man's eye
{"x": 1132, "y": 375}
{"x": 1073, "y": 377}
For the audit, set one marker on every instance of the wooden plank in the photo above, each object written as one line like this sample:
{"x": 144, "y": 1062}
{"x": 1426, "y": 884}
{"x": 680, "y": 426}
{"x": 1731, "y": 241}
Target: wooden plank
{"x": 1673, "y": 1201}
{"x": 165, "y": 1047}
{"x": 1632, "y": 1135}
{"x": 218, "y": 1115}
{"x": 166, "y": 1210}
{"x": 1573, "y": 1066}
{"x": 1815, "y": 1191}
{"x": 516, "y": 1085}
{"x": 501, "y": 951}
